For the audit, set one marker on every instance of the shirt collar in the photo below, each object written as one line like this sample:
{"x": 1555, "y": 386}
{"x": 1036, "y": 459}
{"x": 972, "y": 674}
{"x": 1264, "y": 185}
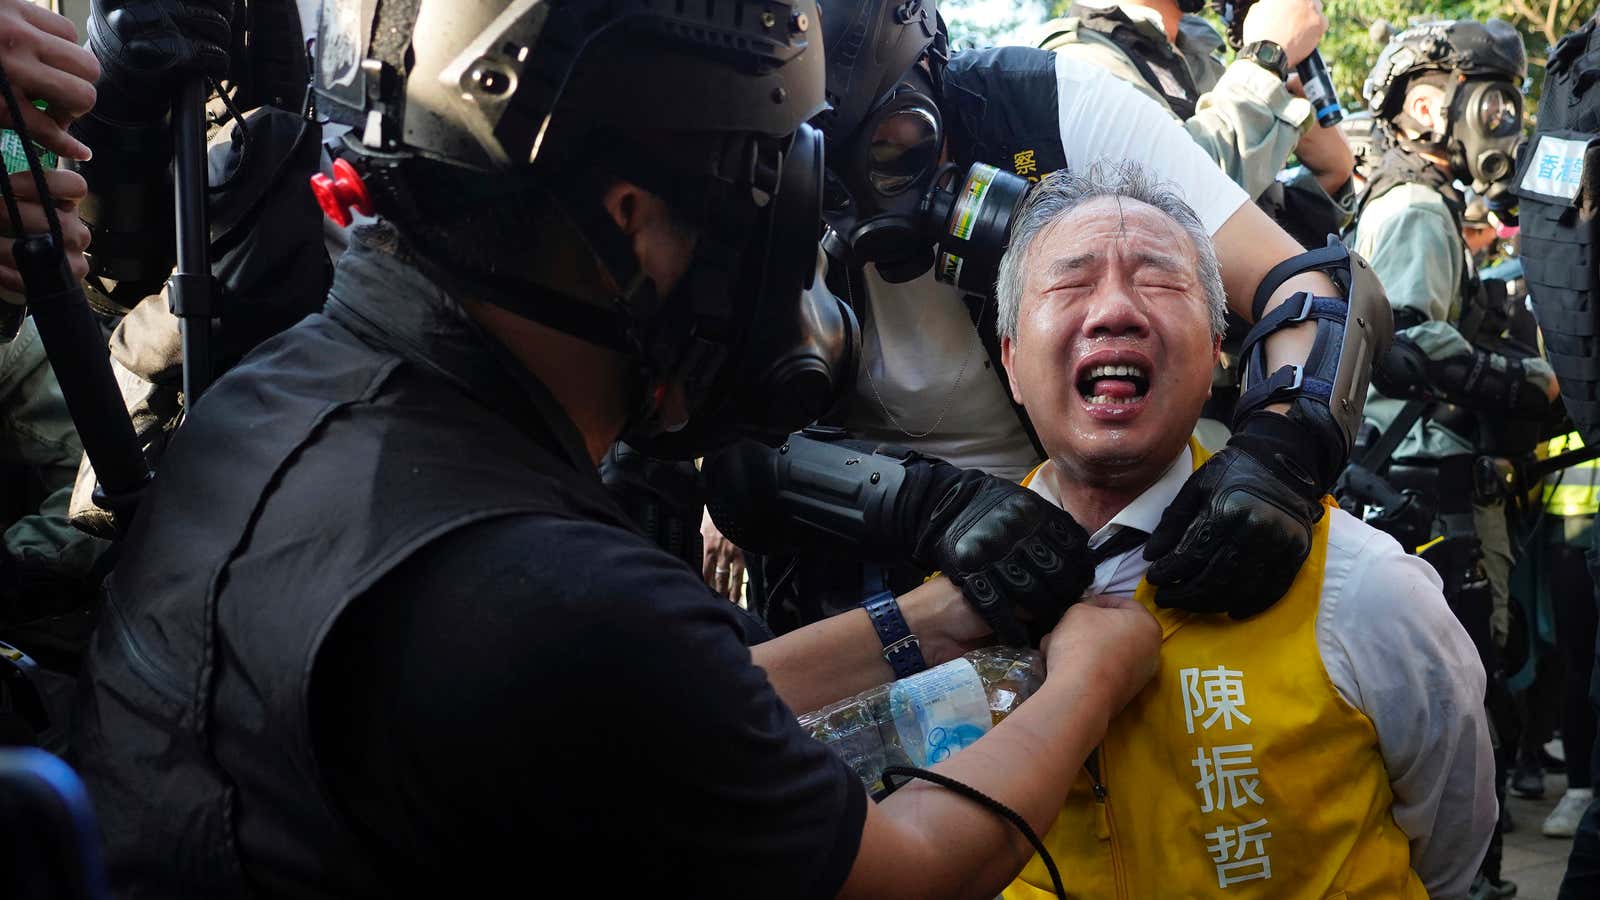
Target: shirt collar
{"x": 1143, "y": 513}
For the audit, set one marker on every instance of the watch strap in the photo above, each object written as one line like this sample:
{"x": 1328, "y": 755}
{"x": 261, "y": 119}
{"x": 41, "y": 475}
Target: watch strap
{"x": 901, "y": 649}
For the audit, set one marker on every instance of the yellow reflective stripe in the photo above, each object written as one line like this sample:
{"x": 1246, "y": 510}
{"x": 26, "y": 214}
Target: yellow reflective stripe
{"x": 1572, "y": 500}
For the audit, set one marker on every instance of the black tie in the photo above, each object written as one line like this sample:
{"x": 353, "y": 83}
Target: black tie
{"x": 1124, "y": 540}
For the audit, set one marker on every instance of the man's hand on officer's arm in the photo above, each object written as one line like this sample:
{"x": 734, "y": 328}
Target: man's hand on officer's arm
{"x": 1012, "y": 564}
{"x": 924, "y": 841}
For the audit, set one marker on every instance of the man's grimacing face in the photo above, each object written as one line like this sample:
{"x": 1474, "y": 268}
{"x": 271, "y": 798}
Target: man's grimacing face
{"x": 1114, "y": 351}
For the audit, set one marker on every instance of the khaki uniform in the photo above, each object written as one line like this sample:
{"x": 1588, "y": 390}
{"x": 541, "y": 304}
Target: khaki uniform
{"x": 1244, "y": 117}
{"x": 1414, "y": 245}
{"x": 37, "y": 432}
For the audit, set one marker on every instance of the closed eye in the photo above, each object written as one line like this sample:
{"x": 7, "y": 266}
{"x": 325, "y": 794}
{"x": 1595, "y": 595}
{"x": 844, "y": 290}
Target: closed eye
{"x": 1162, "y": 285}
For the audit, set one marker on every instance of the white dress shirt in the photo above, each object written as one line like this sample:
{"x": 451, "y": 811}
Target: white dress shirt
{"x": 1394, "y": 650}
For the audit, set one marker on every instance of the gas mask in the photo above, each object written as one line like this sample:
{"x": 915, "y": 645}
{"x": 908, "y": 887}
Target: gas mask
{"x": 898, "y": 208}
{"x": 1485, "y": 126}
{"x": 790, "y": 349}
{"x": 886, "y": 169}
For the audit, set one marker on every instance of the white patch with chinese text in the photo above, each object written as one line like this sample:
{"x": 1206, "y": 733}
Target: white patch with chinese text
{"x": 1556, "y": 169}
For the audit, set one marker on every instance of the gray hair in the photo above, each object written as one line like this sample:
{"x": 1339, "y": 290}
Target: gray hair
{"x": 1061, "y": 192}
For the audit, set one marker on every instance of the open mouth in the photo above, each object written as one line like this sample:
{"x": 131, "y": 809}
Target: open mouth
{"x": 1114, "y": 384}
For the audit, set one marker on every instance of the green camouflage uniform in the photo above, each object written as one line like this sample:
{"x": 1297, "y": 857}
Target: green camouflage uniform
{"x": 1414, "y": 245}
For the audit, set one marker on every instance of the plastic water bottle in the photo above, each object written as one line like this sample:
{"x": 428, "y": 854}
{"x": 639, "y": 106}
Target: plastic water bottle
{"x": 924, "y": 719}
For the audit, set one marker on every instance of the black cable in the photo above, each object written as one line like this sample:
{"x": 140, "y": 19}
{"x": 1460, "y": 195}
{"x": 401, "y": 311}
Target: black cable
{"x": 35, "y": 168}
{"x": 989, "y": 803}
{"x": 231, "y": 111}
{"x": 11, "y": 203}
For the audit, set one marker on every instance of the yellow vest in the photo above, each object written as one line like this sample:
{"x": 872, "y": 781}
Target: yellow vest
{"x": 1238, "y": 772}
{"x": 1573, "y": 491}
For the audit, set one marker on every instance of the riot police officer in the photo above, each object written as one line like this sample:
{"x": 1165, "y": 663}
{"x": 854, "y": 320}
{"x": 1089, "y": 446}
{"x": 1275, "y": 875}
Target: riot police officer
{"x": 1449, "y": 96}
{"x": 378, "y": 628}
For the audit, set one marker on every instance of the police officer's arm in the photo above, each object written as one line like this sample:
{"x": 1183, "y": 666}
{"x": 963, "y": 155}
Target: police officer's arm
{"x": 841, "y": 656}
{"x": 1249, "y": 123}
{"x": 1412, "y": 248}
{"x": 1325, "y": 152}
{"x": 1434, "y": 358}
{"x": 1233, "y": 111}
{"x": 1249, "y": 244}
{"x": 926, "y": 842}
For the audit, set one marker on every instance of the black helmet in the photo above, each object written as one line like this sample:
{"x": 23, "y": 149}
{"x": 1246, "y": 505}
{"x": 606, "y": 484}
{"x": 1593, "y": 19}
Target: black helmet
{"x": 489, "y": 128}
{"x": 1483, "y": 64}
{"x": 492, "y": 84}
{"x": 1461, "y": 46}
{"x": 871, "y": 45}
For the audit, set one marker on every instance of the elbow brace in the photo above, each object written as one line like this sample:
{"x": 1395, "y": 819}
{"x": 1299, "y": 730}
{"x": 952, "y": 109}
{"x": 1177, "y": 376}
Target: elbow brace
{"x": 129, "y": 206}
{"x": 1326, "y": 393}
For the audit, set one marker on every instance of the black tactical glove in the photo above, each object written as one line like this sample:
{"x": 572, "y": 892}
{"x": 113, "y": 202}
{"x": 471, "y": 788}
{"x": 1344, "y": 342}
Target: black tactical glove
{"x": 662, "y": 498}
{"x": 1477, "y": 379}
{"x": 1240, "y": 529}
{"x": 146, "y": 47}
{"x": 1007, "y": 548}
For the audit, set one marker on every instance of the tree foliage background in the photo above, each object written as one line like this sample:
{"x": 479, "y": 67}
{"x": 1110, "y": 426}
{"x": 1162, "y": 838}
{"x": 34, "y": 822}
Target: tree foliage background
{"x": 1357, "y": 29}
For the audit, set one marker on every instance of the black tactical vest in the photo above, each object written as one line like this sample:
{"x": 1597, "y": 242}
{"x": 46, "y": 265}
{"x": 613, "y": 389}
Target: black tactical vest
{"x": 1157, "y": 61}
{"x": 1397, "y": 168}
{"x": 324, "y": 460}
{"x": 1558, "y": 183}
{"x": 1002, "y": 107}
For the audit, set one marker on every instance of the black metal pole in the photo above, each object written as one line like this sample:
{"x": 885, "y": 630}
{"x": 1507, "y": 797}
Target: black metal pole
{"x": 189, "y": 289}
{"x": 77, "y": 350}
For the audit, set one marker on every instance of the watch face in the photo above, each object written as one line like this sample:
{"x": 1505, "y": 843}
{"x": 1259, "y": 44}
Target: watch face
{"x": 1270, "y": 55}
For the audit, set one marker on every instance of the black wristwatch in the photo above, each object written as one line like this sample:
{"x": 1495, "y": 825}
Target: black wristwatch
{"x": 1268, "y": 55}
